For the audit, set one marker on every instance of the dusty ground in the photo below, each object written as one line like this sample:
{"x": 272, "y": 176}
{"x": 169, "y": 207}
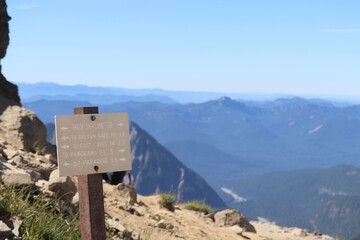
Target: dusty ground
{"x": 147, "y": 220}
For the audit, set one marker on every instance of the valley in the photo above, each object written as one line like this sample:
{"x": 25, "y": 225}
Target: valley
{"x": 249, "y": 150}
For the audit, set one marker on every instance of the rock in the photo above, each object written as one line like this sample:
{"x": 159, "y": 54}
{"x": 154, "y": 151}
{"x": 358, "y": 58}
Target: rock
{"x": 11, "y": 153}
{"x": 63, "y": 187}
{"x": 6, "y": 166}
{"x": 75, "y": 200}
{"x": 115, "y": 224}
{"x": 42, "y": 184}
{"x": 3, "y": 156}
{"x": 10, "y": 227}
{"x": 5, "y": 231}
{"x": 23, "y": 129}
{"x": 17, "y": 178}
{"x": 128, "y": 192}
{"x": 139, "y": 210}
{"x": 317, "y": 233}
{"x": 50, "y": 159}
{"x": 43, "y": 171}
{"x": 160, "y": 224}
{"x": 303, "y": 233}
{"x": 35, "y": 176}
{"x": 231, "y": 217}
{"x": 169, "y": 226}
{"x": 18, "y": 160}
{"x": 164, "y": 225}
{"x": 7, "y": 89}
{"x": 4, "y": 29}
{"x": 239, "y": 230}
{"x": 16, "y": 230}
{"x": 156, "y": 217}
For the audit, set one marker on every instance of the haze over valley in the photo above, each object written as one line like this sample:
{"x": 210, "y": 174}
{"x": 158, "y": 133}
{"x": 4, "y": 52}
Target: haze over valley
{"x": 236, "y": 145}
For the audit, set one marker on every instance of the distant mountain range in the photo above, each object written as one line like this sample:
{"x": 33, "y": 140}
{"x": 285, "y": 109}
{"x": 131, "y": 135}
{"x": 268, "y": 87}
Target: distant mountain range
{"x": 283, "y": 134}
{"x": 36, "y": 91}
{"x": 233, "y": 143}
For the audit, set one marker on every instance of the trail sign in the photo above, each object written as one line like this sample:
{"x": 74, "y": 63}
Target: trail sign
{"x": 92, "y": 143}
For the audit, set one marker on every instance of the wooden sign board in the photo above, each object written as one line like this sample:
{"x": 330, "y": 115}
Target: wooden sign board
{"x": 92, "y": 143}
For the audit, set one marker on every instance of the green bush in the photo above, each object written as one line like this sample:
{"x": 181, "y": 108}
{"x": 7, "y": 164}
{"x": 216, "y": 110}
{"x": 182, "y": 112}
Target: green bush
{"x": 168, "y": 200}
{"x": 198, "y": 206}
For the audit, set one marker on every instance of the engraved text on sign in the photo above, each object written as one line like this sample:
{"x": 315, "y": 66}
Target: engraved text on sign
{"x": 92, "y": 143}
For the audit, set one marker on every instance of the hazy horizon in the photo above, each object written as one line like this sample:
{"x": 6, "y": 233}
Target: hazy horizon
{"x": 251, "y": 96}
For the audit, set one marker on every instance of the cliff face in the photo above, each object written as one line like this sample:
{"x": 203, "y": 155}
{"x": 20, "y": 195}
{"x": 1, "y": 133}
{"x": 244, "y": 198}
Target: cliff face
{"x": 7, "y": 89}
{"x": 18, "y": 126}
{"x": 4, "y": 28}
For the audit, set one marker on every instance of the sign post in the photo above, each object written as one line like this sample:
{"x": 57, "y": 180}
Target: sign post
{"x": 89, "y": 144}
{"x": 91, "y": 199}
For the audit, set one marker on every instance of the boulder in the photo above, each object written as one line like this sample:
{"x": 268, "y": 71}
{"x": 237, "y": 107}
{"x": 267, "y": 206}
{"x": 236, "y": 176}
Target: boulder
{"x": 23, "y": 129}
{"x": 17, "y": 178}
{"x": 230, "y": 217}
{"x": 63, "y": 187}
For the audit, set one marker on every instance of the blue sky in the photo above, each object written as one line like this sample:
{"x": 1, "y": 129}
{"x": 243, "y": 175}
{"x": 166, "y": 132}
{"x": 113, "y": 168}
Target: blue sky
{"x": 303, "y": 47}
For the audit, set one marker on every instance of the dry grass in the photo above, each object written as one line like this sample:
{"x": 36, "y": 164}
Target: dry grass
{"x": 198, "y": 206}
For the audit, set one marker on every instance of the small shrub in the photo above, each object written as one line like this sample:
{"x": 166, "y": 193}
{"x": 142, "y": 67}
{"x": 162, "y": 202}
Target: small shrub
{"x": 168, "y": 201}
{"x": 198, "y": 206}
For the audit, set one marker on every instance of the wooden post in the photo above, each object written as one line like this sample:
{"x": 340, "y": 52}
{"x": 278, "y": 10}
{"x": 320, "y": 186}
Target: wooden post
{"x": 91, "y": 200}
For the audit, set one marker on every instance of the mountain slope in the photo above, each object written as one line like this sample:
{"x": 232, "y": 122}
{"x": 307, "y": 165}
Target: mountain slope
{"x": 211, "y": 163}
{"x": 155, "y": 170}
{"x": 326, "y": 199}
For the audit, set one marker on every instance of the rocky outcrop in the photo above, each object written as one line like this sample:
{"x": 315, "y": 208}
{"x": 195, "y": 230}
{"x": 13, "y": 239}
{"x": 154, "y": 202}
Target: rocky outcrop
{"x": 4, "y": 28}
{"x": 231, "y": 217}
{"x": 23, "y": 129}
{"x": 7, "y": 89}
{"x": 23, "y": 167}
